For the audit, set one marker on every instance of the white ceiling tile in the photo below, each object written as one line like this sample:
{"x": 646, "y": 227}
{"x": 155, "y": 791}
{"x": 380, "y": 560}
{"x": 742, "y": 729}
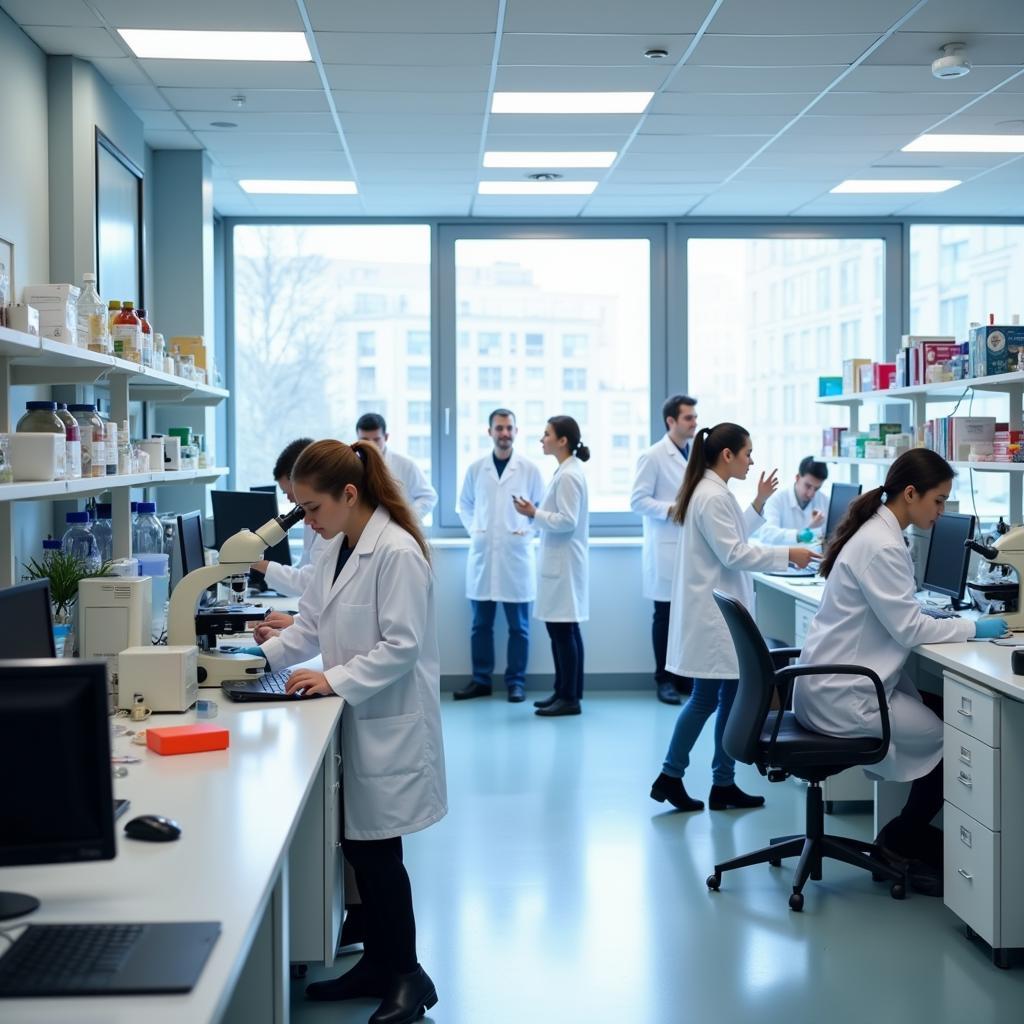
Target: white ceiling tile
{"x": 244, "y": 142}
{"x": 697, "y": 178}
{"x": 522, "y": 173}
{"x": 50, "y": 12}
{"x": 567, "y": 141}
{"x": 870, "y": 104}
{"x": 237, "y": 75}
{"x": 415, "y": 77}
{"x": 999, "y": 104}
{"x": 159, "y": 120}
{"x": 573, "y": 15}
{"x": 411, "y": 102}
{"x": 200, "y": 120}
{"x": 413, "y": 173}
{"x": 742, "y": 145}
{"x": 309, "y": 206}
{"x": 444, "y": 49}
{"x": 1014, "y": 81}
{"x": 746, "y": 51}
{"x": 120, "y": 71}
{"x": 630, "y": 206}
{"x": 922, "y": 48}
{"x": 803, "y": 173}
{"x": 808, "y": 16}
{"x": 248, "y": 15}
{"x": 562, "y": 124}
{"x": 587, "y": 50}
{"x": 418, "y": 209}
{"x": 855, "y": 206}
{"x": 655, "y": 189}
{"x": 361, "y": 142}
{"x": 79, "y": 41}
{"x": 761, "y": 104}
{"x": 257, "y": 101}
{"x": 383, "y": 15}
{"x": 917, "y": 78}
{"x": 406, "y": 191}
{"x": 171, "y": 140}
{"x": 530, "y": 206}
{"x": 581, "y": 79}
{"x": 751, "y": 80}
{"x": 142, "y": 97}
{"x": 821, "y": 126}
{"x": 284, "y": 164}
{"x": 953, "y": 16}
{"x": 963, "y": 163}
{"x": 456, "y": 164}
{"x": 398, "y": 125}
{"x": 692, "y": 124}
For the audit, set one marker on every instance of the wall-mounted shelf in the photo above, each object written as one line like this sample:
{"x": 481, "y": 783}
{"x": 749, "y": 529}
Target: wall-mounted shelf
{"x": 947, "y": 390}
{"x": 984, "y": 467}
{"x": 58, "y": 489}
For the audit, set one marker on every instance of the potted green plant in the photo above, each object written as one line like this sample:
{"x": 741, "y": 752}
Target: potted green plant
{"x": 64, "y": 572}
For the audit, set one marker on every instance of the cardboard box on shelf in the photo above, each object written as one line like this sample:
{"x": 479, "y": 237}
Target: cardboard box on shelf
{"x": 24, "y": 318}
{"x": 995, "y": 348}
{"x": 851, "y": 374}
{"x": 829, "y": 386}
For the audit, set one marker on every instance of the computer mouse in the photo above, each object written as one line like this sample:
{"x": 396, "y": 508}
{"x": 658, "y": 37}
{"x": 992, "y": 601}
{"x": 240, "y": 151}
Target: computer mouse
{"x": 154, "y": 828}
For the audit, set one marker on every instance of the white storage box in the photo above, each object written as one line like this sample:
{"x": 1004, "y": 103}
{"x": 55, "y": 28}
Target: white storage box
{"x": 37, "y": 456}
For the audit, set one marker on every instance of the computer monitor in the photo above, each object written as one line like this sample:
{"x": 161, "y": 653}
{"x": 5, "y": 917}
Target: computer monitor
{"x": 271, "y": 488}
{"x": 945, "y": 569}
{"x": 247, "y": 510}
{"x": 27, "y": 621}
{"x": 193, "y": 554}
{"x": 56, "y": 801}
{"x": 839, "y": 501}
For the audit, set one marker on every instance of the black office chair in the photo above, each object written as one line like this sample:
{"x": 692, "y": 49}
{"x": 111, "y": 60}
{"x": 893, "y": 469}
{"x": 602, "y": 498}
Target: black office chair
{"x": 785, "y": 748}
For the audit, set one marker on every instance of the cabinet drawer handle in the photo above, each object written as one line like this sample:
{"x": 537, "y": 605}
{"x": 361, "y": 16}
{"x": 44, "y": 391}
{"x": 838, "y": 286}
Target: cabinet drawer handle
{"x": 965, "y": 755}
{"x": 965, "y": 874}
{"x": 965, "y": 780}
{"x": 966, "y": 714}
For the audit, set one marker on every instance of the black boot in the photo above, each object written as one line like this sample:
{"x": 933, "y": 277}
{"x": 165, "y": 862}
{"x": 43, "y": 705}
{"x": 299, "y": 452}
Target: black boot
{"x": 367, "y": 980}
{"x": 408, "y": 998}
{"x": 546, "y": 702}
{"x": 666, "y": 787}
{"x": 472, "y": 690}
{"x": 722, "y": 798}
{"x": 559, "y": 706}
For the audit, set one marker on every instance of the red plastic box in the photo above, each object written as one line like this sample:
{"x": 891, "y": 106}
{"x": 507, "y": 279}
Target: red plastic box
{"x": 883, "y": 376}
{"x": 187, "y": 739}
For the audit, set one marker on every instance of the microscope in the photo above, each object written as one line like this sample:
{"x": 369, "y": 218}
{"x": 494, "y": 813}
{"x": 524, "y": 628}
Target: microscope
{"x": 1007, "y": 551}
{"x": 184, "y": 625}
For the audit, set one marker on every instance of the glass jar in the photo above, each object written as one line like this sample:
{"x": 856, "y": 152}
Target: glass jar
{"x": 147, "y": 533}
{"x": 6, "y": 473}
{"x": 73, "y": 446}
{"x": 42, "y": 418}
{"x": 94, "y": 451}
{"x": 79, "y": 541}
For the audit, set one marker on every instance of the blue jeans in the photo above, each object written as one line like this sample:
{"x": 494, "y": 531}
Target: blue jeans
{"x": 706, "y": 696}
{"x": 481, "y": 640}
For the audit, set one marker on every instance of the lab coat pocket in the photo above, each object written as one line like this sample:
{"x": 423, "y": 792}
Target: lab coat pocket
{"x": 667, "y": 558}
{"x": 357, "y": 628}
{"x": 553, "y": 561}
{"x": 395, "y": 745}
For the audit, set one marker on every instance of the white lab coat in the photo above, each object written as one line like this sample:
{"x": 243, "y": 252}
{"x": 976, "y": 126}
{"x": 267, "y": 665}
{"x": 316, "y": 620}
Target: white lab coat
{"x": 418, "y": 491}
{"x": 292, "y": 580}
{"x": 784, "y": 518}
{"x": 713, "y": 554}
{"x": 868, "y": 616}
{"x": 376, "y": 628}
{"x": 563, "y": 588}
{"x": 500, "y": 565}
{"x": 659, "y": 475}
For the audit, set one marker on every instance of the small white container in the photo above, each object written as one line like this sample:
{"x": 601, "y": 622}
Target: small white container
{"x": 124, "y": 567}
{"x": 154, "y": 448}
{"x": 37, "y": 456}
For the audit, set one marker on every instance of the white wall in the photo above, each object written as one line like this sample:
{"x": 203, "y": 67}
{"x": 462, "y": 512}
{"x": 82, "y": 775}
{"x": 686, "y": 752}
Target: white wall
{"x": 616, "y": 640}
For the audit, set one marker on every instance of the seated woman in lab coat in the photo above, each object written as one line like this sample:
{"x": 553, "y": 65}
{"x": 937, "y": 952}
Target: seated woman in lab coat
{"x": 868, "y": 616}
{"x": 369, "y": 611}
{"x": 713, "y": 554}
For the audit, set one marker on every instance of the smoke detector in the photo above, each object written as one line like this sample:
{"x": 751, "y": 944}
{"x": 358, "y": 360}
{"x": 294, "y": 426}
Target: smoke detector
{"x": 953, "y": 64}
{"x": 544, "y": 176}
{"x": 656, "y": 54}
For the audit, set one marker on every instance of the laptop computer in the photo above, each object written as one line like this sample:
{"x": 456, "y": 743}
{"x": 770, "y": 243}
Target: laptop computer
{"x": 268, "y": 687}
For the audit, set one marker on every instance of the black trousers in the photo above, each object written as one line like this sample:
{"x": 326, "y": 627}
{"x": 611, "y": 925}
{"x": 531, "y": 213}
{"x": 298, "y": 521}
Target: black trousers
{"x": 659, "y": 638}
{"x": 390, "y": 927}
{"x": 567, "y": 651}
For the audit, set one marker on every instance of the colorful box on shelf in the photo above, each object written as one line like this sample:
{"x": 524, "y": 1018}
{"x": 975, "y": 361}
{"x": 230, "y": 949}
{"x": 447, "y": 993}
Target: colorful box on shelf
{"x": 884, "y": 430}
{"x": 883, "y": 376}
{"x": 927, "y": 357}
{"x": 851, "y": 374}
{"x": 828, "y": 386}
{"x": 953, "y": 436}
{"x": 831, "y": 441}
{"x": 995, "y": 349}
{"x": 58, "y": 309}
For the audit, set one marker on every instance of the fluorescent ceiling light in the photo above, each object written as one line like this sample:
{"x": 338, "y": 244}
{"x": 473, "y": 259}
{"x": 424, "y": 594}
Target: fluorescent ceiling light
{"x": 870, "y": 185}
{"x": 540, "y": 159}
{"x": 570, "y": 102}
{"x": 966, "y": 144}
{"x": 170, "y": 44}
{"x": 537, "y": 188}
{"x": 283, "y": 187}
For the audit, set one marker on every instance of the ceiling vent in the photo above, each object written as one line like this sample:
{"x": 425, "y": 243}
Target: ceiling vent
{"x": 953, "y": 65}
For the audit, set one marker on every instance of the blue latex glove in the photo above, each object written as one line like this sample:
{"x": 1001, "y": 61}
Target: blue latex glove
{"x": 990, "y": 629}
{"x": 256, "y": 652}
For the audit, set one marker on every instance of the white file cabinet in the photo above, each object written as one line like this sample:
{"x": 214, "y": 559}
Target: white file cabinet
{"x": 852, "y": 784}
{"x": 983, "y": 773}
{"x": 316, "y": 901}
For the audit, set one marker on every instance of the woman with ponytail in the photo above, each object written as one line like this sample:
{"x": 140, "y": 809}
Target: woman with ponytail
{"x": 714, "y": 554}
{"x": 369, "y": 611}
{"x": 563, "y": 589}
{"x": 868, "y": 616}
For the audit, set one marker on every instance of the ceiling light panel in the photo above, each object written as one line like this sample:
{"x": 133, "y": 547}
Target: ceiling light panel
{"x": 499, "y": 158}
{"x": 536, "y": 188}
{"x": 174, "y": 44}
{"x": 865, "y": 186}
{"x": 283, "y": 187}
{"x": 570, "y": 102}
{"x": 939, "y": 143}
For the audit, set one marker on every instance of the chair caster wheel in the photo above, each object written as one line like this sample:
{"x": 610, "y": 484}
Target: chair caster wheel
{"x": 298, "y": 971}
{"x": 796, "y": 901}
{"x": 714, "y": 882}
{"x": 898, "y": 891}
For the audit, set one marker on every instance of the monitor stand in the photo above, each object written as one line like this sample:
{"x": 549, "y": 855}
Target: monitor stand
{"x": 15, "y": 904}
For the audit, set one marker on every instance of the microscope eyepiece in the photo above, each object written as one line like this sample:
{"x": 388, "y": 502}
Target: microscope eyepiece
{"x": 289, "y": 519}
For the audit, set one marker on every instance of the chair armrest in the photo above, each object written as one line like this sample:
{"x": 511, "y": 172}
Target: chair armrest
{"x": 793, "y": 671}
{"x": 781, "y": 655}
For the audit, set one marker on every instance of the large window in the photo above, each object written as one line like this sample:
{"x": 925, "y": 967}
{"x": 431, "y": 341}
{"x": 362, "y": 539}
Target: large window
{"x": 735, "y": 354}
{"x": 311, "y": 303}
{"x": 582, "y": 309}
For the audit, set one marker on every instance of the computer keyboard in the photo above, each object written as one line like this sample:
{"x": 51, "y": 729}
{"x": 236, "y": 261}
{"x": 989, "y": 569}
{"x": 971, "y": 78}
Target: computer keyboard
{"x": 939, "y": 613}
{"x": 272, "y": 682}
{"x": 67, "y": 959}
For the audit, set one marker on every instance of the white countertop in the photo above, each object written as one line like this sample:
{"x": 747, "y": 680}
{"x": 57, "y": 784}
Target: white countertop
{"x": 237, "y": 808}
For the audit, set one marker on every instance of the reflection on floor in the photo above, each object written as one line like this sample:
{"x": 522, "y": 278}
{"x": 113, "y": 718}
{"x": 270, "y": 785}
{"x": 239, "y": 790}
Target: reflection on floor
{"x": 557, "y": 891}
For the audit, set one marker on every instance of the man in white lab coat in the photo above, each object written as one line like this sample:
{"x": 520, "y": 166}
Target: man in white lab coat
{"x": 659, "y": 475}
{"x": 500, "y": 564}
{"x": 796, "y": 515}
{"x": 371, "y": 426}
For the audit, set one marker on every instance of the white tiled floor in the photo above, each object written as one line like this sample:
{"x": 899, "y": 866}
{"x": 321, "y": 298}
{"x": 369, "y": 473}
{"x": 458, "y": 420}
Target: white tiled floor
{"x": 557, "y": 891}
